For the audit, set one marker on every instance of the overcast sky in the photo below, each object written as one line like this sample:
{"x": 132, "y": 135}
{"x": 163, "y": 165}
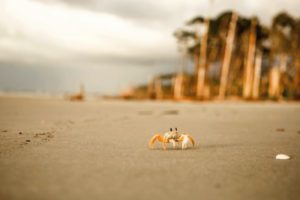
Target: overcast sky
{"x": 106, "y": 44}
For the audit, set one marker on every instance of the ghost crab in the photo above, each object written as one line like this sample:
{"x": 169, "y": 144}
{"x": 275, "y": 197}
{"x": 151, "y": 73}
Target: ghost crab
{"x": 173, "y": 137}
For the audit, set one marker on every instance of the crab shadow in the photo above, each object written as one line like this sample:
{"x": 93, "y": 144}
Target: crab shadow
{"x": 171, "y": 149}
{"x": 175, "y": 149}
{"x": 218, "y": 146}
{"x": 198, "y": 147}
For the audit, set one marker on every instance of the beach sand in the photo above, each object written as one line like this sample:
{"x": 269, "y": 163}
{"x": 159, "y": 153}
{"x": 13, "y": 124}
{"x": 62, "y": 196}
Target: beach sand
{"x": 54, "y": 149}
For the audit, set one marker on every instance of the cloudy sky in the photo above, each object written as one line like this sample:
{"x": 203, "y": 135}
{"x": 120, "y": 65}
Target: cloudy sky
{"x": 54, "y": 45}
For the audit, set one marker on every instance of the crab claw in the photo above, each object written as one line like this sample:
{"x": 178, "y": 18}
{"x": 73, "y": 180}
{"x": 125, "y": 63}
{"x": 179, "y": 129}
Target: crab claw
{"x": 156, "y": 137}
{"x": 185, "y": 138}
{"x": 192, "y": 140}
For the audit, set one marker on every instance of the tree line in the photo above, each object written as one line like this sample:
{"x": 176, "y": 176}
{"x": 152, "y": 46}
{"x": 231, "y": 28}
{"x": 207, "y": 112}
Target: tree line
{"x": 232, "y": 56}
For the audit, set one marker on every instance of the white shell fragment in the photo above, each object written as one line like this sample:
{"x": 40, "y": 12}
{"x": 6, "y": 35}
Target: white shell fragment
{"x": 282, "y": 157}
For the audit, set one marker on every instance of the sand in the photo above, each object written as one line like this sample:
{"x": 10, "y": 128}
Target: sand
{"x": 54, "y": 149}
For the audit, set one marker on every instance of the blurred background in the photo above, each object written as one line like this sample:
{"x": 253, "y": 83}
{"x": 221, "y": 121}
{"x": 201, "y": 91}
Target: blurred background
{"x": 171, "y": 49}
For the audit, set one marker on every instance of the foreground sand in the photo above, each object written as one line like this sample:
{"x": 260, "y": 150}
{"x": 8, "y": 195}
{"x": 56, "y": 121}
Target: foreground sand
{"x": 53, "y": 149}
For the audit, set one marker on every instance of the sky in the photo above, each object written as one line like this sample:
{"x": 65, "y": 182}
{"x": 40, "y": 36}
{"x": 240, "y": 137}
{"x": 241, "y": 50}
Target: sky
{"x": 108, "y": 45}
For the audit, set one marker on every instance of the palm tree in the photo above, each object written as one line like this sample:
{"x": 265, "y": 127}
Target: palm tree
{"x": 183, "y": 37}
{"x": 201, "y": 60}
{"x": 248, "y": 75}
{"x": 281, "y": 38}
{"x": 227, "y": 55}
{"x": 251, "y": 35}
{"x": 296, "y": 57}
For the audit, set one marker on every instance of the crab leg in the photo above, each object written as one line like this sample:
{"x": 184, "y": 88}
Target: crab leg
{"x": 174, "y": 143}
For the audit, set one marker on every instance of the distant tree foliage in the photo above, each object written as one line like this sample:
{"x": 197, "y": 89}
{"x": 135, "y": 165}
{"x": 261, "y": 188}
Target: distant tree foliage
{"x": 279, "y": 46}
{"x": 261, "y": 62}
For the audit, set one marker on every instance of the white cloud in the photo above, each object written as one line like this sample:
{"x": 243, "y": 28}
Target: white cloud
{"x": 95, "y": 31}
{"x": 48, "y": 31}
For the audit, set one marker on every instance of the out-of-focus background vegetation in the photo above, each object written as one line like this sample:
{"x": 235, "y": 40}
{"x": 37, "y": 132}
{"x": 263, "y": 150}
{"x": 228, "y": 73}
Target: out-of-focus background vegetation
{"x": 232, "y": 56}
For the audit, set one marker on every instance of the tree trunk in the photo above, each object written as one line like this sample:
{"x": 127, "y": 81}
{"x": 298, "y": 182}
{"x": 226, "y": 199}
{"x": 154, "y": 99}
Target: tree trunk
{"x": 256, "y": 78}
{"x": 178, "y": 86}
{"x": 158, "y": 88}
{"x": 178, "y": 83}
{"x": 274, "y": 82}
{"x": 276, "y": 86}
{"x": 202, "y": 63}
{"x": 151, "y": 89}
{"x": 297, "y": 77}
{"x": 196, "y": 62}
{"x": 248, "y": 73}
{"x": 227, "y": 56}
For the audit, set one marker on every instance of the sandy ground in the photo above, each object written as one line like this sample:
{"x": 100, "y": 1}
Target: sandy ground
{"x": 53, "y": 149}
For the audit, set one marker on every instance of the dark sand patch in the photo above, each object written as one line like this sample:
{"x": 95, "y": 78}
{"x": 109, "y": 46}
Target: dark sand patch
{"x": 170, "y": 112}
